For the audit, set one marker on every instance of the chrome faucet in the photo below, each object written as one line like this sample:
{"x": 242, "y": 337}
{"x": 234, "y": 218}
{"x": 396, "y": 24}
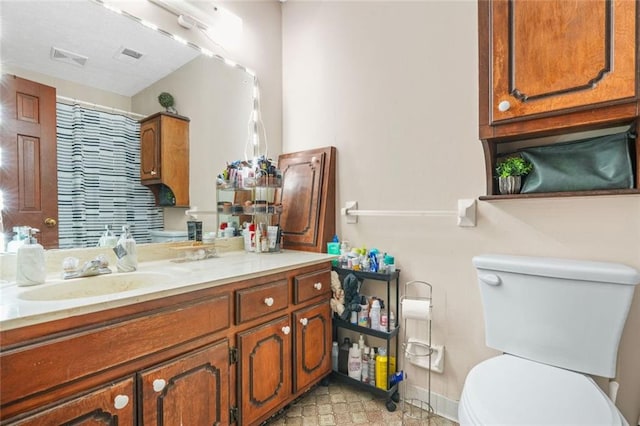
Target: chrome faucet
{"x": 97, "y": 266}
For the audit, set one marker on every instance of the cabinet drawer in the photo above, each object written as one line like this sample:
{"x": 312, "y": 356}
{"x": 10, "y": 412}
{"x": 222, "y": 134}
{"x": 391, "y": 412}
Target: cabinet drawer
{"x": 262, "y": 300}
{"x": 312, "y": 285}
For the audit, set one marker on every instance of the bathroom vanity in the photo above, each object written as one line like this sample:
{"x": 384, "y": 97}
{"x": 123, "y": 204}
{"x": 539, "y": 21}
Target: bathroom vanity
{"x": 231, "y": 339}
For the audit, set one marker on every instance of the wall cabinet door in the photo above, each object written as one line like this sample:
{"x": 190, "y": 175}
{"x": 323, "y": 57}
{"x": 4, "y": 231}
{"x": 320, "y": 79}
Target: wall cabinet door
{"x": 308, "y": 198}
{"x": 312, "y": 359}
{"x": 191, "y": 390}
{"x": 150, "y": 169}
{"x": 110, "y": 405}
{"x": 264, "y": 369}
{"x": 556, "y": 54}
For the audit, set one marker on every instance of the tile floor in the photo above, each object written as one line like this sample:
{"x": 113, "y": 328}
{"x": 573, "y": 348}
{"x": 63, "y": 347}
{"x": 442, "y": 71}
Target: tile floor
{"x": 343, "y": 405}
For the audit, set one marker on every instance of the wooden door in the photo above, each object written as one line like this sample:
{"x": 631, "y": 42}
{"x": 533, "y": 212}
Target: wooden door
{"x": 113, "y": 404}
{"x": 29, "y": 172}
{"x": 264, "y": 370}
{"x": 550, "y": 55}
{"x": 191, "y": 390}
{"x": 312, "y": 359}
{"x": 150, "y": 150}
{"x": 308, "y": 199}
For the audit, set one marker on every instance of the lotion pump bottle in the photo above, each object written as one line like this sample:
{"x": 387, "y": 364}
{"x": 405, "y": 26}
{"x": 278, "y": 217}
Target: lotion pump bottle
{"x": 108, "y": 239}
{"x": 126, "y": 251}
{"x": 30, "y": 265}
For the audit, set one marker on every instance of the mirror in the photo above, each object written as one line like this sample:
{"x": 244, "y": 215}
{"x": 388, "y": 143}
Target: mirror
{"x": 216, "y": 97}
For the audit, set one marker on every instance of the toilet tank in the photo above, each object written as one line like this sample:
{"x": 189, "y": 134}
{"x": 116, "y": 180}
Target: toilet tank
{"x": 561, "y": 312}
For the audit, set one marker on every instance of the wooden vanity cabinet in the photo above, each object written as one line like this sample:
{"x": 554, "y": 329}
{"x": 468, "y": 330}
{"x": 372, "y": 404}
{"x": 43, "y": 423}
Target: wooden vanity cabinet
{"x": 555, "y": 67}
{"x": 179, "y": 359}
{"x": 164, "y": 158}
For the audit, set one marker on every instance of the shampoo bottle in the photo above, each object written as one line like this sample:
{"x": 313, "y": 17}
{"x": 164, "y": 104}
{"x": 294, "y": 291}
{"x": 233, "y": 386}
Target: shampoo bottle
{"x": 126, "y": 251}
{"x": 30, "y": 265}
{"x": 355, "y": 362}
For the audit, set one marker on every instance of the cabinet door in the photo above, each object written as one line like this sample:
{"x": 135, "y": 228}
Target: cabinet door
{"x": 550, "y": 55}
{"x": 109, "y": 405}
{"x": 191, "y": 390}
{"x": 265, "y": 369}
{"x": 150, "y": 149}
{"x": 312, "y": 359}
{"x": 308, "y": 199}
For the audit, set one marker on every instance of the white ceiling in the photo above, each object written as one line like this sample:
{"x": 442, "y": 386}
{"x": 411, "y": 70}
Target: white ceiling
{"x": 29, "y": 30}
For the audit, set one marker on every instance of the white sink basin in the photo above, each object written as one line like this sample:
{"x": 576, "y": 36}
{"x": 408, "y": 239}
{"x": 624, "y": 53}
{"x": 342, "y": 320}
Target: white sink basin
{"x": 100, "y": 285}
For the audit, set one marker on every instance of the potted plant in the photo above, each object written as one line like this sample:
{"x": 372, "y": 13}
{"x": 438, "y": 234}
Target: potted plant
{"x": 510, "y": 171}
{"x": 166, "y": 100}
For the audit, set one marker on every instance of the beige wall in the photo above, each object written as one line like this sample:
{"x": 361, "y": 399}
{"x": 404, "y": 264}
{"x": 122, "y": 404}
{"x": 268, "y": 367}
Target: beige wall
{"x": 393, "y": 85}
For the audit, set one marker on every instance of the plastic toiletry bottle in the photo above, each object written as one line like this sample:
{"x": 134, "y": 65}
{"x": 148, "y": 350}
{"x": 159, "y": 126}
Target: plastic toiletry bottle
{"x": 384, "y": 320}
{"x": 343, "y": 356}
{"x": 355, "y": 362}
{"x": 361, "y": 342}
{"x": 372, "y": 366}
{"x": 365, "y": 365}
{"x": 374, "y": 315}
{"x": 392, "y": 320}
{"x": 126, "y": 251}
{"x": 381, "y": 369}
{"x": 30, "y": 264}
{"x": 363, "y": 315}
{"x": 334, "y": 356}
{"x": 108, "y": 239}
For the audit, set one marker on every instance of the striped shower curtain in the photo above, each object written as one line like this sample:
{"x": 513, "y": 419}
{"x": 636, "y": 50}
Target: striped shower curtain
{"x": 99, "y": 177}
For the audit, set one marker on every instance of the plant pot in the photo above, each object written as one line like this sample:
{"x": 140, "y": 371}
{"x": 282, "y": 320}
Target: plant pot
{"x": 510, "y": 184}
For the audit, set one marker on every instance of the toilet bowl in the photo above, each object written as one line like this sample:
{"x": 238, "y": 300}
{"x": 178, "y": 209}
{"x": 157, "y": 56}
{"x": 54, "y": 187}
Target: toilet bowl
{"x": 507, "y": 390}
{"x": 551, "y": 342}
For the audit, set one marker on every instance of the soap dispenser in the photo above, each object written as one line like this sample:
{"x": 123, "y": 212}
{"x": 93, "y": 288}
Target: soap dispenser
{"x": 30, "y": 265}
{"x": 126, "y": 251}
{"x": 108, "y": 239}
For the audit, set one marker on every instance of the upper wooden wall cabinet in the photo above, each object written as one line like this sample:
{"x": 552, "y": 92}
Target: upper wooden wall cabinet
{"x": 164, "y": 158}
{"x": 555, "y": 67}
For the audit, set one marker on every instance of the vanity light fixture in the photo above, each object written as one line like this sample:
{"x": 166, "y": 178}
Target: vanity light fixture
{"x": 217, "y": 23}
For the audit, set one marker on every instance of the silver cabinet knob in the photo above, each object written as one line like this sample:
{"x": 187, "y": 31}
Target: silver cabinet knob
{"x": 504, "y": 106}
{"x": 159, "y": 384}
{"x": 120, "y": 401}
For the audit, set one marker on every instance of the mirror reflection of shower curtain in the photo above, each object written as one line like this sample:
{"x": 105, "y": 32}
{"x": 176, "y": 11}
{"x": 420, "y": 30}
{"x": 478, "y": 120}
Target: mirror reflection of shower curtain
{"x": 99, "y": 177}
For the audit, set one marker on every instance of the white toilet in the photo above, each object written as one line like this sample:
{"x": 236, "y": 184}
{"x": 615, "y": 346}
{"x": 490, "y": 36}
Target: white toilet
{"x": 556, "y": 320}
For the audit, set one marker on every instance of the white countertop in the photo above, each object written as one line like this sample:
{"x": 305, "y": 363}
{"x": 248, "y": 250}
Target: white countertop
{"x": 177, "y": 278}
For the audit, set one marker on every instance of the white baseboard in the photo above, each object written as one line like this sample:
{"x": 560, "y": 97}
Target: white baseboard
{"x": 442, "y": 406}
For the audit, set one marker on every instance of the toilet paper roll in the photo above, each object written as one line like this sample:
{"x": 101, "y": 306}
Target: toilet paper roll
{"x": 416, "y": 309}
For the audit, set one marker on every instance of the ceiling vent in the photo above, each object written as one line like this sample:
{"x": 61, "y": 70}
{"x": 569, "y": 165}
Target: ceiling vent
{"x": 128, "y": 55}
{"x": 68, "y": 57}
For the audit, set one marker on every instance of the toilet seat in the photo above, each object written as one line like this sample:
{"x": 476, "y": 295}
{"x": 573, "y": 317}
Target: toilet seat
{"x": 507, "y": 390}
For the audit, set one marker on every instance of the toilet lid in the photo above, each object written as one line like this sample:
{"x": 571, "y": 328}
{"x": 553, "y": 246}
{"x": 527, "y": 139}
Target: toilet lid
{"x": 511, "y": 390}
